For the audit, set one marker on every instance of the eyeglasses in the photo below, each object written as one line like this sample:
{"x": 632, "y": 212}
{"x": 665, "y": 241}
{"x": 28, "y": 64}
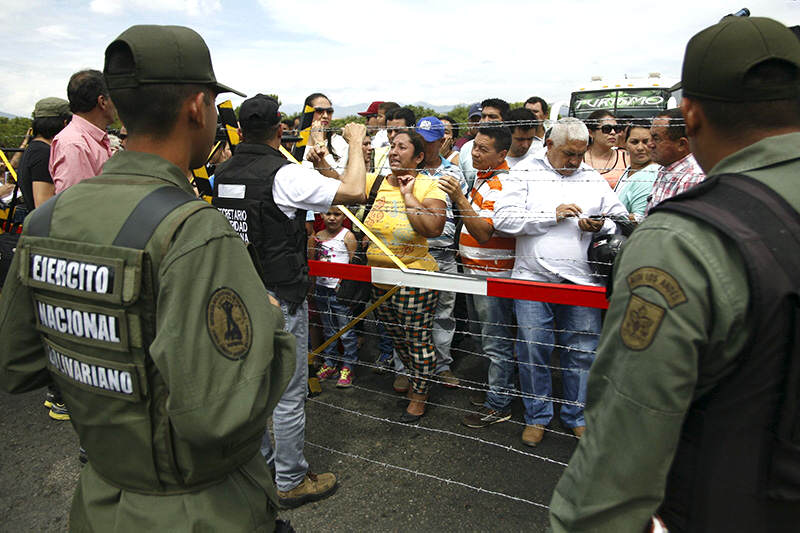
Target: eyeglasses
{"x": 606, "y": 128}
{"x": 324, "y": 110}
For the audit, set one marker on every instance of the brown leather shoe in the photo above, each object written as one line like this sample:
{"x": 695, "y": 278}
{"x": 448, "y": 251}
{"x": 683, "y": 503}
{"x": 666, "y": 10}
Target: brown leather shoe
{"x": 401, "y": 384}
{"x": 578, "y": 431}
{"x": 448, "y": 379}
{"x": 314, "y": 487}
{"x": 533, "y": 435}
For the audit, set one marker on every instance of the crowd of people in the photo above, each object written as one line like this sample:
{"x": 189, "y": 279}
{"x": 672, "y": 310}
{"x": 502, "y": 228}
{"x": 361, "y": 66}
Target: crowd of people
{"x": 521, "y": 198}
{"x": 515, "y": 196}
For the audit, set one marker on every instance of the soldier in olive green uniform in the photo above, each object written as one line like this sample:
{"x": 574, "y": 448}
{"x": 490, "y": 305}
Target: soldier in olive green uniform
{"x": 685, "y": 409}
{"x": 142, "y": 304}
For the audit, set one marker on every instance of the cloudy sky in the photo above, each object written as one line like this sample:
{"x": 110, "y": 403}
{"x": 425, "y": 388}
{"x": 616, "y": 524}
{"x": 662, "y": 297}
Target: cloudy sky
{"x": 441, "y": 52}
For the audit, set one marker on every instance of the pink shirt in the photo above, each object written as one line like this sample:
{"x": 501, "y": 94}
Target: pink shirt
{"x": 78, "y": 152}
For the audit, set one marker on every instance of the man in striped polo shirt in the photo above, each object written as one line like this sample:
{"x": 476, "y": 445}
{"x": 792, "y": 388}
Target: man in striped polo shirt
{"x": 486, "y": 252}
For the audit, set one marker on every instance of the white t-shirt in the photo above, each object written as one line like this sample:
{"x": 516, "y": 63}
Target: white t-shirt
{"x": 297, "y": 187}
{"x": 334, "y": 250}
{"x": 381, "y": 138}
{"x": 340, "y": 148}
{"x": 535, "y": 150}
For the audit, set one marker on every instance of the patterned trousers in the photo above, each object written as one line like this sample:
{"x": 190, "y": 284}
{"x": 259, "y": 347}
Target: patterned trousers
{"x": 408, "y": 317}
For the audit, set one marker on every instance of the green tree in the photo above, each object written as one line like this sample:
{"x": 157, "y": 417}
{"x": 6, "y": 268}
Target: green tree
{"x": 12, "y": 131}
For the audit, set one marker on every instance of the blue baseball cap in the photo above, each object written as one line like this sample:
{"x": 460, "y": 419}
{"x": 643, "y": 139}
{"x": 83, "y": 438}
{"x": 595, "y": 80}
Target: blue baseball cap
{"x": 474, "y": 110}
{"x": 431, "y": 128}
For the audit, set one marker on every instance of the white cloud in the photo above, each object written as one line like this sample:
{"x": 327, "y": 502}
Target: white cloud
{"x": 189, "y": 7}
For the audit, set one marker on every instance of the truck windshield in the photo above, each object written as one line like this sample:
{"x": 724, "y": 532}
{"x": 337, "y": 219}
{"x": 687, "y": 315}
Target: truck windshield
{"x": 633, "y": 102}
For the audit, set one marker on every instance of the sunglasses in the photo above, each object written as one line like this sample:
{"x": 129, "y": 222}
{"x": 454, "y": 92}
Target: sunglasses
{"x": 323, "y": 110}
{"x": 606, "y": 128}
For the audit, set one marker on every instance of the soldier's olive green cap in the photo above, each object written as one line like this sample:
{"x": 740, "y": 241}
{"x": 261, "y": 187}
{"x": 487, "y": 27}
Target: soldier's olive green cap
{"x": 163, "y": 55}
{"x": 51, "y": 107}
{"x": 718, "y": 58}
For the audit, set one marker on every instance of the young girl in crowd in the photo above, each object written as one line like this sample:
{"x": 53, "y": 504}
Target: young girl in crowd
{"x": 335, "y": 244}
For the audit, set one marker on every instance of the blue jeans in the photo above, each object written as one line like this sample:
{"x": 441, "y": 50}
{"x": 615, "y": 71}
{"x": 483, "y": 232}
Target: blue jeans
{"x": 289, "y": 416}
{"x": 385, "y": 344}
{"x": 444, "y": 323}
{"x": 496, "y": 316}
{"x": 335, "y": 316}
{"x": 578, "y": 330}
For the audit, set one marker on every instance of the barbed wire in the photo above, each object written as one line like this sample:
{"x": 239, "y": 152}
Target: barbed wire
{"x": 505, "y": 447}
{"x": 460, "y": 409}
{"x": 429, "y": 476}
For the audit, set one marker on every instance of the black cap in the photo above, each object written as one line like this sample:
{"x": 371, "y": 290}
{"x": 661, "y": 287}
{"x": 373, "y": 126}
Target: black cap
{"x": 260, "y": 108}
{"x": 164, "y": 55}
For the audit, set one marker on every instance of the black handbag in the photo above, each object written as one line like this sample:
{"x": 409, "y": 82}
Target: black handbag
{"x": 11, "y": 227}
{"x": 351, "y": 292}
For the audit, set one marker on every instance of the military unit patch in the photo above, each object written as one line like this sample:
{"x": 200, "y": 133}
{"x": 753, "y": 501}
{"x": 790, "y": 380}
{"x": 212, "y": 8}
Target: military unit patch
{"x": 641, "y": 323}
{"x": 229, "y": 324}
{"x": 661, "y": 281}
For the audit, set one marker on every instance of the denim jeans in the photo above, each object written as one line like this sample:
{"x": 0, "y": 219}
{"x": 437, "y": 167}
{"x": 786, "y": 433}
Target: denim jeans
{"x": 578, "y": 329}
{"x": 444, "y": 323}
{"x": 496, "y": 317}
{"x": 289, "y": 416}
{"x": 335, "y": 316}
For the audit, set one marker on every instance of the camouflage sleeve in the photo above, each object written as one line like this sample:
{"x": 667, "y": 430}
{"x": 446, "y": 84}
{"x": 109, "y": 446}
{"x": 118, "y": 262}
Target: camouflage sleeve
{"x": 679, "y": 294}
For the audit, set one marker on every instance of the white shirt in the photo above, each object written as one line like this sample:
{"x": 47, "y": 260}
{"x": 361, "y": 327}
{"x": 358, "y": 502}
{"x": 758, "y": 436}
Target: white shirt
{"x": 536, "y": 151}
{"x": 381, "y": 138}
{"x": 340, "y": 148}
{"x": 547, "y": 250}
{"x": 297, "y": 187}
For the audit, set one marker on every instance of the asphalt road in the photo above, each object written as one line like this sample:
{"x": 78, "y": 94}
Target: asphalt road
{"x": 437, "y": 476}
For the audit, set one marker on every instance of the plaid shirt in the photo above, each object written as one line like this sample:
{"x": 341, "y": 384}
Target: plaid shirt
{"x": 674, "y": 179}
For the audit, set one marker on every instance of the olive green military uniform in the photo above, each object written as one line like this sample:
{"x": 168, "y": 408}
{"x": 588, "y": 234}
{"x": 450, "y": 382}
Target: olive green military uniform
{"x": 175, "y": 445}
{"x": 649, "y": 367}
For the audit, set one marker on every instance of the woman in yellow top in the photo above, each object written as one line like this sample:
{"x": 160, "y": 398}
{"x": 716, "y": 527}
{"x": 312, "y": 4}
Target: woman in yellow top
{"x": 409, "y": 208}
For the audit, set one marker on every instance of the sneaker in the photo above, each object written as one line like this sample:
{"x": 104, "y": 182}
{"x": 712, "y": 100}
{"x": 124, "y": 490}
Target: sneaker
{"x": 345, "y": 379}
{"x": 448, "y": 379}
{"x": 485, "y": 416}
{"x": 49, "y": 399}
{"x": 401, "y": 384}
{"x": 383, "y": 363}
{"x": 83, "y": 457}
{"x": 326, "y": 372}
{"x": 58, "y": 411}
{"x": 314, "y": 487}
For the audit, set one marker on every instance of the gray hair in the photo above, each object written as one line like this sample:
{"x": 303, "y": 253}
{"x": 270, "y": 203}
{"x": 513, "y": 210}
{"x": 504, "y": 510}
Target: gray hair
{"x": 569, "y": 129}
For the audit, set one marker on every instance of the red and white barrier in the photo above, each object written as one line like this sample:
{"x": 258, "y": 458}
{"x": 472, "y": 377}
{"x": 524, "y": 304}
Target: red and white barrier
{"x": 557, "y": 293}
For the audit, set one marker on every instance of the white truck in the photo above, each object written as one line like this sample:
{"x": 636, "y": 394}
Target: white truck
{"x": 640, "y": 97}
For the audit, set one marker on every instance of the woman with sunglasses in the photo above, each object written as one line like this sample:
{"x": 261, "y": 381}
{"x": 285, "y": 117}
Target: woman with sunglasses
{"x": 326, "y": 150}
{"x": 603, "y": 154}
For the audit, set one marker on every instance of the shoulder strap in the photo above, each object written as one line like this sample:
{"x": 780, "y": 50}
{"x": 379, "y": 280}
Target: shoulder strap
{"x": 373, "y": 193}
{"x": 758, "y": 219}
{"x": 148, "y": 214}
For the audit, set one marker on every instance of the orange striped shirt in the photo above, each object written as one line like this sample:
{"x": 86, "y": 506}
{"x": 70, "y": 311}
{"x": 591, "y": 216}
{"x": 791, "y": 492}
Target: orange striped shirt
{"x": 496, "y": 256}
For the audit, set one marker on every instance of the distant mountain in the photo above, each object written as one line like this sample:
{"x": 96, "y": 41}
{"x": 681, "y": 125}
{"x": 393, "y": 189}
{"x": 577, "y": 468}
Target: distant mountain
{"x": 349, "y": 110}
{"x": 7, "y": 115}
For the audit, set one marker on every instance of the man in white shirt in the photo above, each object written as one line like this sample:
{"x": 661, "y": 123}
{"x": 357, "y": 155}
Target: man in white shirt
{"x": 265, "y": 198}
{"x": 524, "y": 142}
{"x": 553, "y": 206}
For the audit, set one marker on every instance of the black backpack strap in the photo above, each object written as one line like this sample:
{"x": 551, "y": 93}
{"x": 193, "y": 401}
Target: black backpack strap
{"x": 148, "y": 214}
{"x": 373, "y": 193}
{"x": 38, "y": 223}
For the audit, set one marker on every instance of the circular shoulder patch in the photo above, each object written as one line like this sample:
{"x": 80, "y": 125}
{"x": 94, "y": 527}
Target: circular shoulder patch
{"x": 229, "y": 324}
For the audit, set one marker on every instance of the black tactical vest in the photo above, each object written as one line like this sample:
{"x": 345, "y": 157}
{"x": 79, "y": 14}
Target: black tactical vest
{"x": 243, "y": 193}
{"x": 737, "y": 467}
